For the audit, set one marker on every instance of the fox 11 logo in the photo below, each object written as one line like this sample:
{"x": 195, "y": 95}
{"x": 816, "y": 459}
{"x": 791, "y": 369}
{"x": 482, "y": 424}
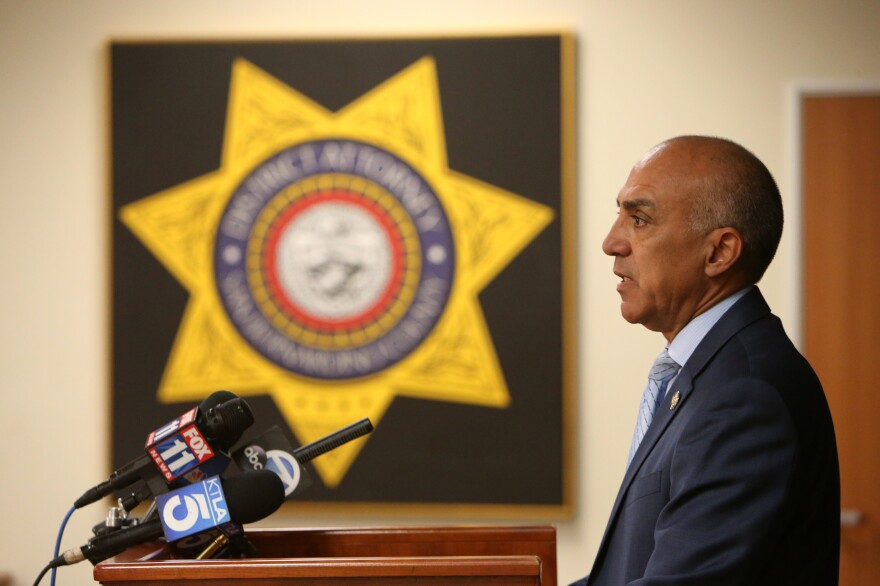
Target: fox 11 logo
{"x": 193, "y": 509}
{"x": 179, "y": 446}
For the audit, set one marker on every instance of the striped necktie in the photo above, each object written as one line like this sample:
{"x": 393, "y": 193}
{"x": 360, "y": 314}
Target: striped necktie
{"x": 662, "y": 371}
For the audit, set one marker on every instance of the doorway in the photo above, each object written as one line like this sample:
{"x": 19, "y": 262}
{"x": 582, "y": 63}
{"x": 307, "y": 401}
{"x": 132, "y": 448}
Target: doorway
{"x": 840, "y": 178}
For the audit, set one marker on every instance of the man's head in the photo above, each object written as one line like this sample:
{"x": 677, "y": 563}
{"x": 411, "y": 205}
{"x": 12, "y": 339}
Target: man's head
{"x": 699, "y": 218}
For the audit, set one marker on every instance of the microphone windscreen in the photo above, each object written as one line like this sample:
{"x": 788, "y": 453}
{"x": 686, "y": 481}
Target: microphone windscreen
{"x": 253, "y": 495}
{"x": 223, "y": 417}
{"x": 225, "y": 423}
{"x": 215, "y": 399}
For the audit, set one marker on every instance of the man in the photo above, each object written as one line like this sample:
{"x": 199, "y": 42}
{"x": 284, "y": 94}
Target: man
{"x": 735, "y": 480}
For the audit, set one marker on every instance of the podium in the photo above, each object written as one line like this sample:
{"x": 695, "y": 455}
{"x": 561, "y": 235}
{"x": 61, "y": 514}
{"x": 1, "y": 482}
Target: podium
{"x": 435, "y": 556}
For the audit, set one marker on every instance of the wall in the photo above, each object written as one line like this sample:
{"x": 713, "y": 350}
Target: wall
{"x": 647, "y": 70}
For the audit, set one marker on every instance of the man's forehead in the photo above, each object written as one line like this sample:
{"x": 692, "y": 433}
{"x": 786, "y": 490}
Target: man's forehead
{"x": 656, "y": 197}
{"x": 651, "y": 153}
{"x": 656, "y": 181}
{"x": 637, "y": 195}
{"x": 632, "y": 201}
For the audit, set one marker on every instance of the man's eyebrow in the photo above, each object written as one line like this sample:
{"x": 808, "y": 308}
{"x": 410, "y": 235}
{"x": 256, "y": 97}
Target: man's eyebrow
{"x": 634, "y": 204}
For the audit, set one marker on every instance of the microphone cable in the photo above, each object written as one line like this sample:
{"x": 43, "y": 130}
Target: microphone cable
{"x": 42, "y": 573}
{"x": 58, "y": 540}
{"x": 57, "y": 549}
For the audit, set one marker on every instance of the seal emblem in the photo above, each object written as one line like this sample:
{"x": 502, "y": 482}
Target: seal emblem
{"x": 334, "y": 259}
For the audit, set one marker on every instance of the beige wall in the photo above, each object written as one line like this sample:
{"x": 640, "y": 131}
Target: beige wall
{"x": 648, "y": 69}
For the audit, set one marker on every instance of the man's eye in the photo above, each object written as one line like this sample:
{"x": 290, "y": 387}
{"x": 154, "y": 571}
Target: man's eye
{"x": 638, "y": 221}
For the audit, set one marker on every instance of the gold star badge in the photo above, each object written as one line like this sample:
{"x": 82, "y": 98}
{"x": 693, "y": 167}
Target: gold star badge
{"x": 333, "y": 261}
{"x": 675, "y": 399}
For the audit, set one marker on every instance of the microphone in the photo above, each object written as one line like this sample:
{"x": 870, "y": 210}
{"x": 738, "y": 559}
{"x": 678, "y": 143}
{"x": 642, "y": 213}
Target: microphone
{"x": 244, "y": 499}
{"x": 272, "y": 451}
{"x": 183, "y": 444}
{"x": 178, "y": 447}
{"x": 333, "y": 441}
{"x": 226, "y": 416}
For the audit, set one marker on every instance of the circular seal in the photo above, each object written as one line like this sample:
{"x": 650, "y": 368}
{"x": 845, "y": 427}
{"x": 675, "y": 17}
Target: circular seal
{"x": 334, "y": 259}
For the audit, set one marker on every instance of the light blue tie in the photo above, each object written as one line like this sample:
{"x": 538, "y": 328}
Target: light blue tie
{"x": 662, "y": 371}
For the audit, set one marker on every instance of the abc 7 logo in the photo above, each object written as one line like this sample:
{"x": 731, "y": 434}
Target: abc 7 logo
{"x": 278, "y": 461}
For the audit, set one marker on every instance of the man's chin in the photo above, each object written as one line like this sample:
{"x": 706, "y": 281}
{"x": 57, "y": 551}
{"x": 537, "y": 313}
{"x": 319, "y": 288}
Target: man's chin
{"x": 629, "y": 314}
{"x": 634, "y": 314}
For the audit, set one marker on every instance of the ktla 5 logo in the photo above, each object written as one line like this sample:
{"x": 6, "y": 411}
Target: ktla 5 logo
{"x": 192, "y": 509}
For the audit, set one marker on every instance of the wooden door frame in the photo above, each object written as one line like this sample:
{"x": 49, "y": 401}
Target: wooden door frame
{"x": 793, "y": 236}
{"x": 835, "y": 132}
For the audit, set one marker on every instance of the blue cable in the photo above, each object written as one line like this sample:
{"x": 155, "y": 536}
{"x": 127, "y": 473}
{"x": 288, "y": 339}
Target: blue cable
{"x": 58, "y": 541}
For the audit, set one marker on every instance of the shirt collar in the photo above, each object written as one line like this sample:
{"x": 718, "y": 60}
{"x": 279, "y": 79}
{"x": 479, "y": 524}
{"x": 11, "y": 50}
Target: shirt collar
{"x": 687, "y": 340}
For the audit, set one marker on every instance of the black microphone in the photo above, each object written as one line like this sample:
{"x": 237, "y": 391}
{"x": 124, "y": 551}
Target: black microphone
{"x": 226, "y": 416}
{"x": 334, "y": 440}
{"x": 249, "y": 497}
{"x": 221, "y": 418}
{"x": 272, "y": 451}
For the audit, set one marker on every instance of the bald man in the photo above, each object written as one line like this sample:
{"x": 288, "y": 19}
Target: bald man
{"x": 733, "y": 474}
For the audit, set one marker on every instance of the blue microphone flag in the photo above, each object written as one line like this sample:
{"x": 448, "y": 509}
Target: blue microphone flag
{"x": 193, "y": 509}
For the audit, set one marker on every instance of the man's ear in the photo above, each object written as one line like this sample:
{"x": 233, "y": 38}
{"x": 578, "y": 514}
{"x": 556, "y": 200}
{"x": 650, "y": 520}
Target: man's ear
{"x": 726, "y": 248}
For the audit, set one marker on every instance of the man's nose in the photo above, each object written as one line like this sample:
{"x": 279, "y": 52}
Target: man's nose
{"x": 615, "y": 243}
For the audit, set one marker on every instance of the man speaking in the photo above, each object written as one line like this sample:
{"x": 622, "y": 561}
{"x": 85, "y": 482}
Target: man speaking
{"x": 733, "y": 475}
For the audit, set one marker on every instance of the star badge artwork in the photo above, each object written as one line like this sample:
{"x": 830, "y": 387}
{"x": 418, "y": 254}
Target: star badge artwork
{"x": 333, "y": 261}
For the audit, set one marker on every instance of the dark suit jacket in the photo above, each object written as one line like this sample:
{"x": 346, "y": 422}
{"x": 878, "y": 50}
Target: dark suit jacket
{"x": 736, "y": 481}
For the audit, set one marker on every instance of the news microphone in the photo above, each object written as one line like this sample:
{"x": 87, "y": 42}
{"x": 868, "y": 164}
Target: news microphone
{"x": 244, "y": 499}
{"x": 179, "y": 446}
{"x": 272, "y": 451}
{"x": 223, "y": 417}
{"x": 334, "y": 440}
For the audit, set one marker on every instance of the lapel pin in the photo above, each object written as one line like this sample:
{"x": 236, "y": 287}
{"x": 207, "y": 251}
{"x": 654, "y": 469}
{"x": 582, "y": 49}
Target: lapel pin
{"x": 675, "y": 398}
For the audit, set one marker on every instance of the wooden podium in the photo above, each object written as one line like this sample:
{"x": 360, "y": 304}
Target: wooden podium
{"x": 458, "y": 556}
